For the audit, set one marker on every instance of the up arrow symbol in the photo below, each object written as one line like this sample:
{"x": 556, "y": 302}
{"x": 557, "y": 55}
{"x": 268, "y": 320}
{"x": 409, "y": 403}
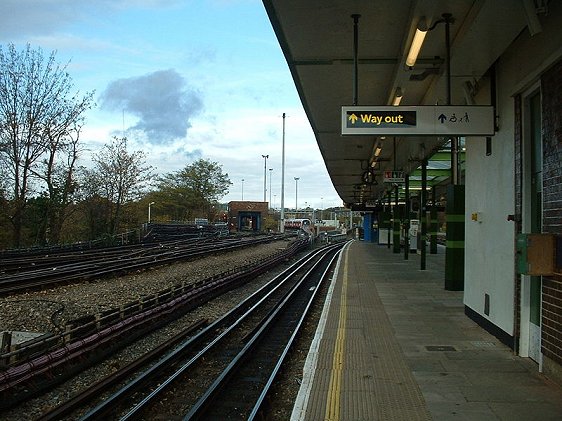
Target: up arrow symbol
{"x": 442, "y": 117}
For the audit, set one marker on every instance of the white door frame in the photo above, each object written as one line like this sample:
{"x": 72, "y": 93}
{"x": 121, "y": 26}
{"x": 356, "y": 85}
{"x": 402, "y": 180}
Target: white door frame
{"x": 528, "y": 333}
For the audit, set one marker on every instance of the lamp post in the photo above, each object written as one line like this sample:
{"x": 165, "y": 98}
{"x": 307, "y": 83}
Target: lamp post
{"x": 296, "y": 195}
{"x": 149, "y": 206}
{"x": 321, "y": 208}
{"x": 242, "y": 189}
{"x": 265, "y": 176}
{"x": 282, "y": 215}
{"x": 270, "y": 172}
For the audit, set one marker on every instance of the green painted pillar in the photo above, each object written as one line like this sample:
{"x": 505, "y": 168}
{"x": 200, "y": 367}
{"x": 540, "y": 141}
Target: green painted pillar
{"x": 396, "y": 224}
{"x": 396, "y": 235}
{"x": 454, "y": 254}
{"x": 389, "y": 219}
{"x": 433, "y": 226}
{"x": 423, "y": 215}
{"x": 407, "y": 216}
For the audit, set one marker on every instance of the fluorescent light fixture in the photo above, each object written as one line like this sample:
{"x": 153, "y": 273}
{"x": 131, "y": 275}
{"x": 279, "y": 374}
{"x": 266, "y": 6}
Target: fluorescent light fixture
{"x": 377, "y": 149}
{"x": 417, "y": 42}
{"x": 397, "y": 97}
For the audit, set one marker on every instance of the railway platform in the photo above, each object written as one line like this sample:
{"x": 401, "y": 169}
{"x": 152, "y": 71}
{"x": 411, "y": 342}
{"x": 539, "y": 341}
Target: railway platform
{"x": 393, "y": 344}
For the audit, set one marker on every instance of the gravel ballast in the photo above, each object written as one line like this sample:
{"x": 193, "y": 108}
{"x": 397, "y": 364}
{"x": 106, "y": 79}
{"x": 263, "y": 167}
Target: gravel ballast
{"x": 47, "y": 311}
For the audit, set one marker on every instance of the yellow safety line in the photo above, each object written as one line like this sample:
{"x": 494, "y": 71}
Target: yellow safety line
{"x": 334, "y": 391}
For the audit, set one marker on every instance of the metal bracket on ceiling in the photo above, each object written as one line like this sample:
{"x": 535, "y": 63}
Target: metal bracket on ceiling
{"x": 369, "y": 178}
{"x": 541, "y": 6}
{"x": 423, "y": 75}
{"x": 364, "y": 164}
{"x": 355, "y": 18}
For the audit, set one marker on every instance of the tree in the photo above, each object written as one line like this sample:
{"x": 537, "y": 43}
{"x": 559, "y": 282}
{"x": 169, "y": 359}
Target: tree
{"x": 192, "y": 191}
{"x": 57, "y": 170}
{"x": 118, "y": 177}
{"x": 37, "y": 118}
{"x": 5, "y": 239}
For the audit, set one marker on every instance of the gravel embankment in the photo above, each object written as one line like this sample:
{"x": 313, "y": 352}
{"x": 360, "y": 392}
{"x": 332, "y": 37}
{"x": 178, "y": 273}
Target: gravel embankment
{"x": 34, "y": 311}
{"x": 44, "y": 311}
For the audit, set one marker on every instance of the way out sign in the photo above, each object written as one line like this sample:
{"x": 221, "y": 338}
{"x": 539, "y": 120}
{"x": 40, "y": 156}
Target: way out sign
{"x": 453, "y": 120}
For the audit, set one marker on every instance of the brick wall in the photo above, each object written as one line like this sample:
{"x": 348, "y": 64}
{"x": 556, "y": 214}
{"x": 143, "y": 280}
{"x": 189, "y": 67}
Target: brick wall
{"x": 235, "y": 207}
{"x": 552, "y": 149}
{"x": 239, "y": 206}
{"x": 551, "y": 91}
{"x": 552, "y": 318}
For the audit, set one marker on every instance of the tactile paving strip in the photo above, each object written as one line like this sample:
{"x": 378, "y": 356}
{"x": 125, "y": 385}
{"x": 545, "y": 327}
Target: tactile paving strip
{"x": 376, "y": 383}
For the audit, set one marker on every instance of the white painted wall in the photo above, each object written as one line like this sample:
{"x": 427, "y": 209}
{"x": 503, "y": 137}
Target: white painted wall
{"x": 490, "y": 182}
{"x": 489, "y": 258}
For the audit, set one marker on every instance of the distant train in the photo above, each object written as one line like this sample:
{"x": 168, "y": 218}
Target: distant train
{"x": 297, "y": 224}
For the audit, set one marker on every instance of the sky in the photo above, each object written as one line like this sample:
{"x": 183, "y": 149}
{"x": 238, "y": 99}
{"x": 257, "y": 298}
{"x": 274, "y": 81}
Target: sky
{"x": 183, "y": 80}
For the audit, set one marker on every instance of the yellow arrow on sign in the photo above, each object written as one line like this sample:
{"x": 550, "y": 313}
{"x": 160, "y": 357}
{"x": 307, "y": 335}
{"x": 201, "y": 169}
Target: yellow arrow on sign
{"x": 353, "y": 118}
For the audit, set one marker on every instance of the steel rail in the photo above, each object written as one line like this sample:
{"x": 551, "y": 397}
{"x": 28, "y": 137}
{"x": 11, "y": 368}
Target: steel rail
{"x": 210, "y": 401}
{"x": 261, "y": 399}
{"x": 223, "y": 326}
{"x": 85, "y": 396}
{"x": 93, "y": 246}
{"x": 57, "y": 358}
{"x": 97, "y": 268}
{"x": 48, "y": 260}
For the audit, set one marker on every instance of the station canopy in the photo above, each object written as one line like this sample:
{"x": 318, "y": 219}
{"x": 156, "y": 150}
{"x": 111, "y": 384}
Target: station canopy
{"x": 331, "y": 69}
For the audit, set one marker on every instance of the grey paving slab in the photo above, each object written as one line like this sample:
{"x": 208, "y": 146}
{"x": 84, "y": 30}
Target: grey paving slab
{"x": 435, "y": 377}
{"x": 525, "y": 411}
{"x": 483, "y": 366}
{"x": 465, "y": 411}
{"x": 408, "y": 351}
{"x": 425, "y": 364}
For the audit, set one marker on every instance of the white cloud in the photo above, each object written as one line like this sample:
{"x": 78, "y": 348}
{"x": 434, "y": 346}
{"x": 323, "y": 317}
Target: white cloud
{"x": 161, "y": 101}
{"x": 223, "y": 52}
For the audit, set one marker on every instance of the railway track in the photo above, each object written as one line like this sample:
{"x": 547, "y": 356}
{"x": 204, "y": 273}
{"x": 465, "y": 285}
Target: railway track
{"x": 18, "y": 274}
{"x": 240, "y": 391}
{"x": 58, "y": 357}
{"x": 259, "y": 330}
{"x": 94, "y": 390}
